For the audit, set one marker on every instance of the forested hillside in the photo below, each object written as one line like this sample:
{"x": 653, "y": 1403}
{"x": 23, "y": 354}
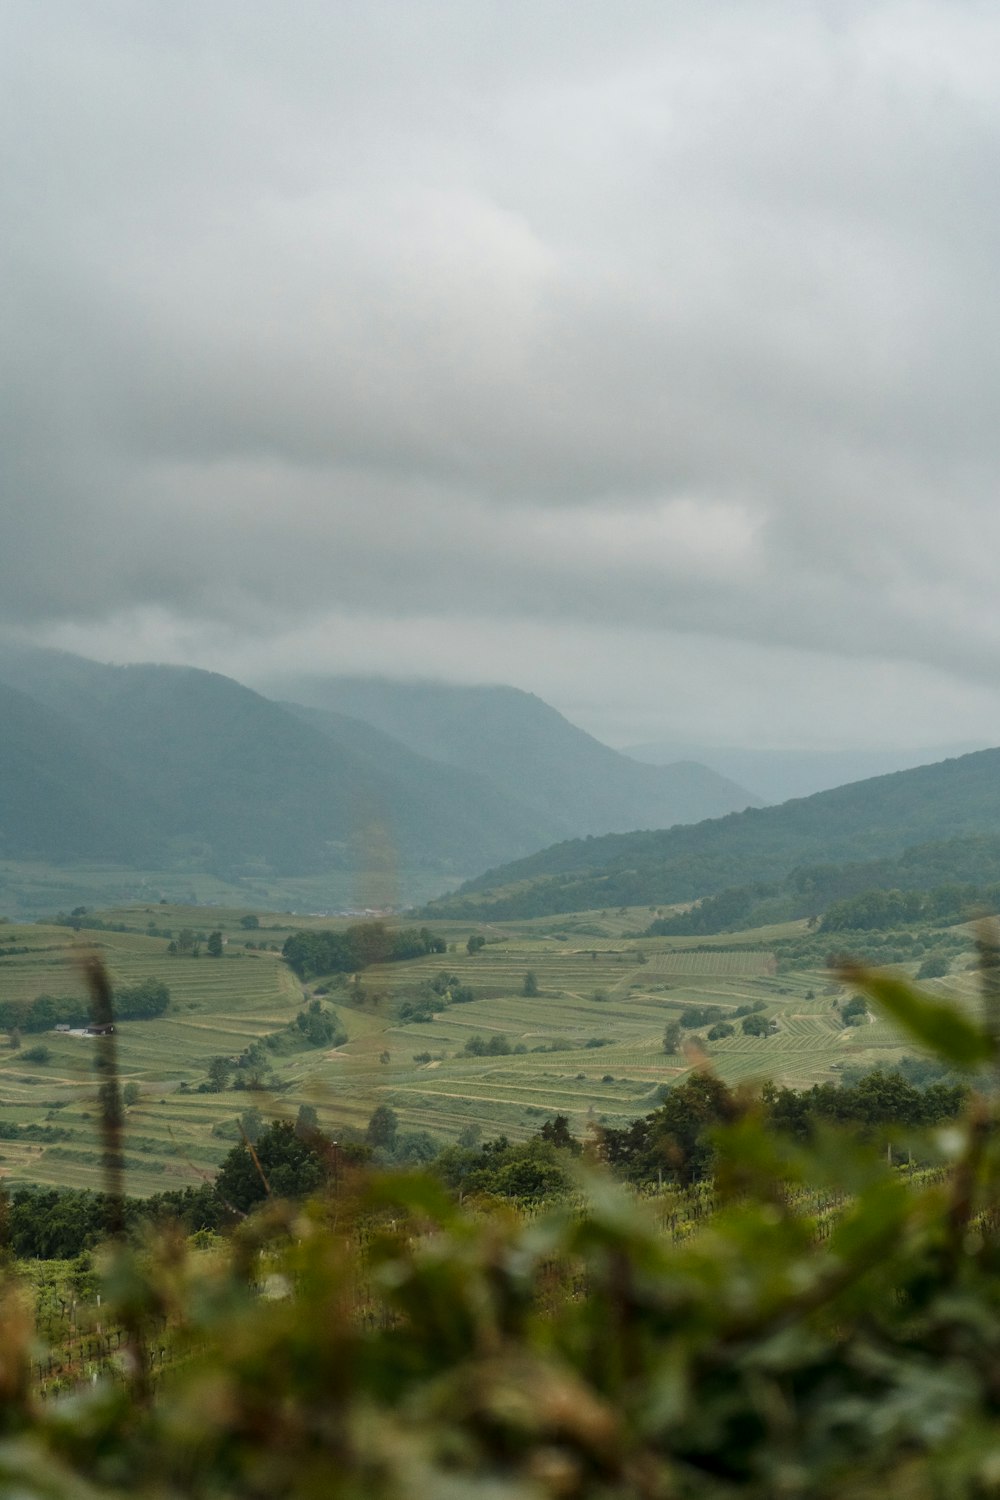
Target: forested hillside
{"x": 868, "y": 820}
{"x": 58, "y": 798}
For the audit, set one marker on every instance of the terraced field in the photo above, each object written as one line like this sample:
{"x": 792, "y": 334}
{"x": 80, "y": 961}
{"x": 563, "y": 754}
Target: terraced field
{"x": 588, "y": 1044}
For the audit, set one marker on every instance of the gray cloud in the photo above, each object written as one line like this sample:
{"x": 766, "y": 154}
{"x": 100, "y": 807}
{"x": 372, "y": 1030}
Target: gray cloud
{"x": 666, "y": 330}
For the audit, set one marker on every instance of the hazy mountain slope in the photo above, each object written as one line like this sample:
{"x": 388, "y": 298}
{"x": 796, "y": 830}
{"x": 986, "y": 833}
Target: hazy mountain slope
{"x": 529, "y": 751}
{"x": 234, "y": 780}
{"x": 57, "y": 799}
{"x": 866, "y": 820}
{"x": 778, "y": 775}
{"x": 470, "y": 805}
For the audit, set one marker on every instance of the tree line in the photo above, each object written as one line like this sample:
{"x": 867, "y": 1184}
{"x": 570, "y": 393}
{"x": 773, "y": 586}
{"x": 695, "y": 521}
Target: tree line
{"x": 324, "y": 951}
{"x": 137, "y": 1002}
{"x": 674, "y": 1143}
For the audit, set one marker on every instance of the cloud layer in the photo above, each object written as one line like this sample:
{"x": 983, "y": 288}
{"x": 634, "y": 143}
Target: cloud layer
{"x": 521, "y": 340}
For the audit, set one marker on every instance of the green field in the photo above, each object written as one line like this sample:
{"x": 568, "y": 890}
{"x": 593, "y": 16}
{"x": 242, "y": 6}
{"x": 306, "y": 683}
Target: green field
{"x": 590, "y": 1041}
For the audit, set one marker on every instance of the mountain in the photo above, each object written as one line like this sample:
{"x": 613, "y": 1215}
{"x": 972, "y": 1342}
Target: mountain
{"x": 469, "y": 808}
{"x": 867, "y": 820}
{"x": 213, "y": 773}
{"x": 58, "y": 799}
{"x": 778, "y": 775}
{"x": 528, "y": 751}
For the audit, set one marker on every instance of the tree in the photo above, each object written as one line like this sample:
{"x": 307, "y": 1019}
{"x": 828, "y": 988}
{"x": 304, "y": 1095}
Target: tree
{"x": 720, "y": 1030}
{"x": 679, "y": 1129}
{"x": 131, "y": 1094}
{"x": 415, "y": 1148}
{"x": 219, "y": 1070}
{"x": 671, "y": 1037}
{"x": 213, "y": 947}
{"x": 476, "y": 941}
{"x": 756, "y": 1025}
{"x": 292, "y": 1167}
{"x": 382, "y": 1127}
{"x": 557, "y": 1132}
{"x": 250, "y": 923}
{"x": 529, "y": 985}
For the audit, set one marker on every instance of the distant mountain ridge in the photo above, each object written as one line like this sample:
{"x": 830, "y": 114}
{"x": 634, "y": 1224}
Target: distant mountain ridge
{"x": 214, "y": 773}
{"x": 863, "y": 821}
{"x": 174, "y": 767}
{"x": 528, "y": 750}
{"x": 779, "y": 775}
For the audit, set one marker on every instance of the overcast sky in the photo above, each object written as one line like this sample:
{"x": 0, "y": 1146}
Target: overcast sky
{"x": 644, "y": 355}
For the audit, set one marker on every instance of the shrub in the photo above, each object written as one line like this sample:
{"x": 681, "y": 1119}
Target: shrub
{"x": 854, "y": 1012}
{"x": 933, "y": 967}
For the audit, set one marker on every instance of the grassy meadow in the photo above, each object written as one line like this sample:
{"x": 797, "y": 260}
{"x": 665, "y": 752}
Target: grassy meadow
{"x": 589, "y": 1043}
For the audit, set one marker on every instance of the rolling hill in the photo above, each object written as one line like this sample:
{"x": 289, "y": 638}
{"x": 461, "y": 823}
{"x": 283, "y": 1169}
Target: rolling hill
{"x": 952, "y": 800}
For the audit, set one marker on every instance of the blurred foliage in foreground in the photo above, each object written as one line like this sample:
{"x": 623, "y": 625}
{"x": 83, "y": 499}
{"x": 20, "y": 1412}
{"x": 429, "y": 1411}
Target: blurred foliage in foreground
{"x": 384, "y": 1341}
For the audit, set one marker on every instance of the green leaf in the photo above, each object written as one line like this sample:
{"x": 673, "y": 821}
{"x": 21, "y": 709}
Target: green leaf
{"x": 942, "y": 1028}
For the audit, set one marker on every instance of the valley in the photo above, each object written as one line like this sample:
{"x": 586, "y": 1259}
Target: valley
{"x": 588, "y": 1043}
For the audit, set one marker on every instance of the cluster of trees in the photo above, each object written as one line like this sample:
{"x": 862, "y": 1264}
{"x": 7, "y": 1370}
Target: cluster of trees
{"x": 83, "y": 916}
{"x": 813, "y": 949}
{"x": 718, "y": 1021}
{"x": 880, "y": 910}
{"x": 720, "y": 913}
{"x": 9, "y": 1131}
{"x": 854, "y": 1012}
{"x": 187, "y": 943}
{"x": 495, "y": 1046}
{"x": 675, "y": 1142}
{"x": 529, "y": 1170}
{"x": 323, "y": 951}
{"x": 847, "y": 895}
{"x": 137, "y": 1002}
{"x": 693, "y": 1016}
{"x": 63, "y": 1223}
{"x": 879, "y": 1101}
{"x": 672, "y": 1143}
{"x": 317, "y": 1025}
{"x": 436, "y": 994}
